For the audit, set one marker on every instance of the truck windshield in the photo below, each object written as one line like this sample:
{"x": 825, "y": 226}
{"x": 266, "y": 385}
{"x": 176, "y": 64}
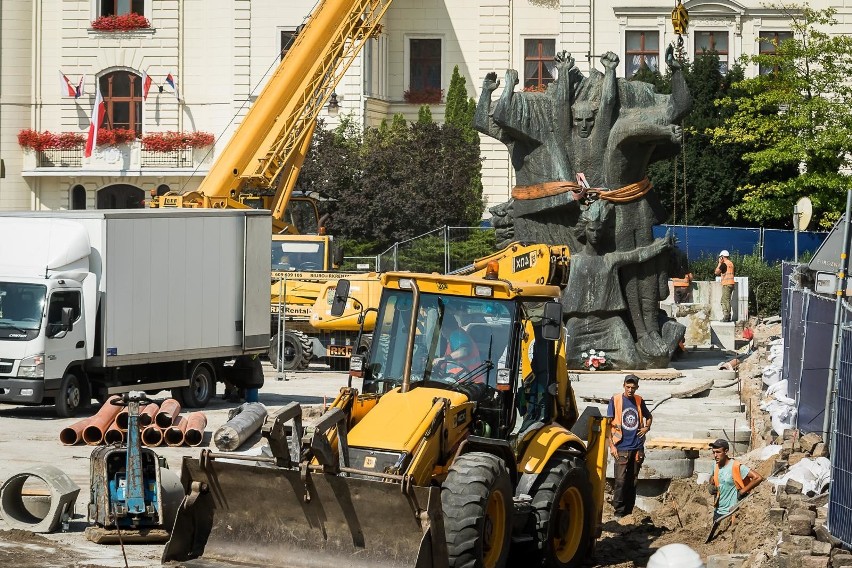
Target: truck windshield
{"x": 298, "y": 255}
{"x": 458, "y": 339}
{"x": 21, "y": 305}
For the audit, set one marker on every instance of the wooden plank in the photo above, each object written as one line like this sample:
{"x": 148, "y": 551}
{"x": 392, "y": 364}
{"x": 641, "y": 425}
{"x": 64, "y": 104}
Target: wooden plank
{"x": 679, "y": 443}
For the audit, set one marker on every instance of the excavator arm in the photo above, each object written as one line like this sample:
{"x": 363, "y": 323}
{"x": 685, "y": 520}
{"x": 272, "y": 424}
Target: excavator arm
{"x": 265, "y": 154}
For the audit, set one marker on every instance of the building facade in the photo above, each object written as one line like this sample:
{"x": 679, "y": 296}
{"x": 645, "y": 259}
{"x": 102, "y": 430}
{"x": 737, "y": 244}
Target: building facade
{"x": 218, "y": 55}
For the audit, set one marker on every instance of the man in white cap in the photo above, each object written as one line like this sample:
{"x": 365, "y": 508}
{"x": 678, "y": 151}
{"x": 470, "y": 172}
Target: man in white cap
{"x": 675, "y": 556}
{"x": 725, "y": 269}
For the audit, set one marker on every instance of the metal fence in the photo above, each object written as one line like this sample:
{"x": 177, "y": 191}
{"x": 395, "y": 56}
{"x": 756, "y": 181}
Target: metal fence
{"x": 840, "y": 493}
{"x": 772, "y": 245}
{"x": 66, "y": 158}
{"x": 181, "y": 158}
{"x": 442, "y": 250}
{"x": 808, "y": 325}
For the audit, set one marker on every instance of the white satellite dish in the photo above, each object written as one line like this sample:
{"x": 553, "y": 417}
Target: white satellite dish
{"x": 802, "y": 213}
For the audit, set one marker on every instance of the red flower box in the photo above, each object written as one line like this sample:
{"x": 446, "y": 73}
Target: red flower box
{"x": 428, "y": 95}
{"x": 121, "y": 23}
{"x": 40, "y": 141}
{"x": 110, "y": 137}
{"x": 171, "y": 141}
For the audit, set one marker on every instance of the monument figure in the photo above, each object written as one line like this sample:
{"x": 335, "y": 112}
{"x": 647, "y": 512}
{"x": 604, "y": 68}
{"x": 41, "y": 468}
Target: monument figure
{"x": 590, "y": 138}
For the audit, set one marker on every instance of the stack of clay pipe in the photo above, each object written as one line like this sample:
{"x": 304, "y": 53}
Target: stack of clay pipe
{"x": 159, "y": 424}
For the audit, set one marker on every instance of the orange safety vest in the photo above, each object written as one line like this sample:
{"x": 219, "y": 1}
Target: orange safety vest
{"x": 615, "y": 425}
{"x": 682, "y": 282}
{"x": 735, "y": 471}
{"x": 728, "y": 275}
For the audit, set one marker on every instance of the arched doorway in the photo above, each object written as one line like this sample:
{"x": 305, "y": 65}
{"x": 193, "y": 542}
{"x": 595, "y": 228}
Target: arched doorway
{"x": 121, "y": 196}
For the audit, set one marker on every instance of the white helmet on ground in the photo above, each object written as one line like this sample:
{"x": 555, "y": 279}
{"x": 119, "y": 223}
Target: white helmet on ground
{"x": 724, "y": 253}
{"x": 675, "y": 556}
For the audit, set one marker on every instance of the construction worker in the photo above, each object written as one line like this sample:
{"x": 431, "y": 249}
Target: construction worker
{"x": 675, "y": 556}
{"x": 725, "y": 269}
{"x": 630, "y": 423}
{"x": 682, "y": 288}
{"x": 731, "y": 480}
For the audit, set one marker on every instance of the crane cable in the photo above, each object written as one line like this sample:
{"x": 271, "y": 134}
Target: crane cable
{"x": 680, "y": 23}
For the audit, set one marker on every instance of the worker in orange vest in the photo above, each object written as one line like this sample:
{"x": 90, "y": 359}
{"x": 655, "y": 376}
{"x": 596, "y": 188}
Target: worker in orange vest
{"x": 731, "y": 480}
{"x": 630, "y": 421}
{"x": 725, "y": 269}
{"x": 682, "y": 288}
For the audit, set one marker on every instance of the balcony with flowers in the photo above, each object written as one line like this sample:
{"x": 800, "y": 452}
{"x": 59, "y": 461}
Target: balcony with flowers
{"x": 128, "y": 22}
{"x": 117, "y": 150}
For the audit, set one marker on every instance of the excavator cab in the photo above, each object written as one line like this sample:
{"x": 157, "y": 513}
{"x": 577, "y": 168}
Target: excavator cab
{"x": 457, "y": 449}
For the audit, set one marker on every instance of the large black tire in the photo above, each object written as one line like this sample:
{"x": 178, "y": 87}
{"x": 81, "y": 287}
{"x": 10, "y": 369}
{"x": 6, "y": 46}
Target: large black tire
{"x": 477, "y": 502}
{"x": 202, "y": 387}
{"x": 562, "y": 499}
{"x": 297, "y": 353}
{"x": 72, "y": 396}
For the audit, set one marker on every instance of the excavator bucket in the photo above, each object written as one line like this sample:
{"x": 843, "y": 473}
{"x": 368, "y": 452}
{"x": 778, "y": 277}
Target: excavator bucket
{"x": 264, "y": 515}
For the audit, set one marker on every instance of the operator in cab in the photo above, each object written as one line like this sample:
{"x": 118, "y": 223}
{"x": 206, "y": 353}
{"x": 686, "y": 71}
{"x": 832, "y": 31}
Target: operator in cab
{"x": 460, "y": 353}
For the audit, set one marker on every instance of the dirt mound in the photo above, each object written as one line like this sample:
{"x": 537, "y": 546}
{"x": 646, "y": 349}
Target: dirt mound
{"x": 24, "y": 549}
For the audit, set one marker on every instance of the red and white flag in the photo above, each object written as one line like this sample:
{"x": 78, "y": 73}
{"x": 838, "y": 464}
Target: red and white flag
{"x": 146, "y": 85}
{"x": 98, "y": 111}
{"x": 65, "y": 86}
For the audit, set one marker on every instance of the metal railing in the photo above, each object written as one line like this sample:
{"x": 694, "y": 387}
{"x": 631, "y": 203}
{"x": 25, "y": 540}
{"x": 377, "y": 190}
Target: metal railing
{"x": 65, "y": 158}
{"x": 442, "y": 250}
{"x": 181, "y": 158}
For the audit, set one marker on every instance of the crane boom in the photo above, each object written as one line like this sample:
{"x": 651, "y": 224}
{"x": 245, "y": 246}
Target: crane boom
{"x": 264, "y": 156}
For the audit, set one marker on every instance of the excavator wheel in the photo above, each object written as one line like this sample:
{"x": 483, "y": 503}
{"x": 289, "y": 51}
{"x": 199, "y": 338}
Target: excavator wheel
{"x": 477, "y": 501}
{"x": 562, "y": 500}
{"x": 298, "y": 350}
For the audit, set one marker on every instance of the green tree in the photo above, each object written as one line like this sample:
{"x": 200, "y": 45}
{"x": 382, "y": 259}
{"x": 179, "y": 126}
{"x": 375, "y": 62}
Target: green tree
{"x": 424, "y": 115}
{"x": 458, "y": 114}
{"x": 797, "y": 115}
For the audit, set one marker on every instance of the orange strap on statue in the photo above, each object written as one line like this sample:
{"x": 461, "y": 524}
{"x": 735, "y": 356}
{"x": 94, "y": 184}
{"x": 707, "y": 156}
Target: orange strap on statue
{"x": 625, "y": 194}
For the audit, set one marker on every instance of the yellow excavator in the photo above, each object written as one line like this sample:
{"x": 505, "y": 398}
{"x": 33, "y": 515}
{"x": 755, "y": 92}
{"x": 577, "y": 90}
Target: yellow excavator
{"x": 463, "y": 447}
{"x": 351, "y": 332}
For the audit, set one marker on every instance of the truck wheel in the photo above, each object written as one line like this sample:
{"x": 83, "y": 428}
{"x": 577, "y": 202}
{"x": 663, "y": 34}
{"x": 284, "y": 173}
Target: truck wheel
{"x": 71, "y": 397}
{"x": 202, "y": 387}
{"x": 477, "y": 502}
{"x": 297, "y": 351}
{"x": 365, "y": 344}
{"x": 563, "y": 505}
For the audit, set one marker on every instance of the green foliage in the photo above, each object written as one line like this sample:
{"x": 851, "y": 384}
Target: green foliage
{"x": 396, "y": 181}
{"x": 801, "y": 113}
{"x": 764, "y": 280}
{"x": 424, "y": 115}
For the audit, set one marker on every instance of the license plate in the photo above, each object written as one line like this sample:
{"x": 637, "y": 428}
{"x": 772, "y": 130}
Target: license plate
{"x": 340, "y": 350}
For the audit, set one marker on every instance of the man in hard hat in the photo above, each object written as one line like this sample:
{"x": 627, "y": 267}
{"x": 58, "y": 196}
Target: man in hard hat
{"x": 731, "y": 480}
{"x": 725, "y": 269}
{"x": 675, "y": 556}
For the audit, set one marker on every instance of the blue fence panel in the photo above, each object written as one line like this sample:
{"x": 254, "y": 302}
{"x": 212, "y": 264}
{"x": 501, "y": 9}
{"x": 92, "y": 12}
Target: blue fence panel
{"x": 778, "y": 244}
{"x": 816, "y": 359}
{"x": 708, "y": 241}
{"x": 840, "y": 495}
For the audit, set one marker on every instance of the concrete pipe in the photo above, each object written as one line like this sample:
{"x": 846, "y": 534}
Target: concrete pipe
{"x": 196, "y": 422}
{"x": 147, "y": 414}
{"x": 175, "y": 433}
{"x": 152, "y": 436}
{"x": 114, "y": 434}
{"x": 93, "y": 434}
{"x": 243, "y": 421}
{"x": 27, "y": 512}
{"x": 166, "y": 415}
{"x": 70, "y": 435}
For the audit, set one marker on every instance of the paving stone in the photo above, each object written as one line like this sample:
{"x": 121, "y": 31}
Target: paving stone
{"x": 793, "y": 487}
{"x": 727, "y": 561}
{"x": 815, "y": 562}
{"x": 809, "y": 441}
{"x": 776, "y": 515}
{"x": 820, "y": 548}
{"x": 824, "y": 535}
{"x": 820, "y": 451}
{"x": 800, "y": 525}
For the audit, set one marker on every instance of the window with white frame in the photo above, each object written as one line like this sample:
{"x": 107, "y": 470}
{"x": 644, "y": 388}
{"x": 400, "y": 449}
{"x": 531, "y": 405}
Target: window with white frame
{"x": 121, "y": 7}
{"x": 424, "y": 64}
{"x": 769, "y": 42}
{"x": 713, "y": 42}
{"x": 641, "y": 50}
{"x": 539, "y": 65}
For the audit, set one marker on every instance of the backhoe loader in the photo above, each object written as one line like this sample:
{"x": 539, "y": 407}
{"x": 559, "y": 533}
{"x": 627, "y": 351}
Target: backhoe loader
{"x": 462, "y": 447}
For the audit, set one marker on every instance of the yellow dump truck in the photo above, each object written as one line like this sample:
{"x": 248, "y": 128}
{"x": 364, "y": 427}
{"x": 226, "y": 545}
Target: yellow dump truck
{"x": 462, "y": 447}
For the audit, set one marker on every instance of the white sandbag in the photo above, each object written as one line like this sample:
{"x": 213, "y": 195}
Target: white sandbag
{"x": 767, "y": 452}
{"x": 777, "y": 388}
{"x": 771, "y": 375}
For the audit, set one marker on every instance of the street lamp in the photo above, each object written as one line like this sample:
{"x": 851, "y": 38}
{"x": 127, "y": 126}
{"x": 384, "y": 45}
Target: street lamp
{"x": 333, "y": 105}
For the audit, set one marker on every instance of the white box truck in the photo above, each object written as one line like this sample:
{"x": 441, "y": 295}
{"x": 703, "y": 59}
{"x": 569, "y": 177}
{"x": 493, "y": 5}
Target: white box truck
{"x": 96, "y": 299}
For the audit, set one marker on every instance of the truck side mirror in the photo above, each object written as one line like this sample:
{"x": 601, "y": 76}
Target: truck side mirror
{"x": 67, "y": 314}
{"x": 337, "y": 256}
{"x": 551, "y": 323}
{"x": 341, "y": 294}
